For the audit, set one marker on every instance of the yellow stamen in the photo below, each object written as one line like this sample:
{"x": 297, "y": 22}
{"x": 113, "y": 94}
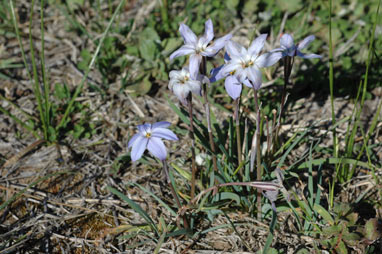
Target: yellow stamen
{"x": 148, "y": 134}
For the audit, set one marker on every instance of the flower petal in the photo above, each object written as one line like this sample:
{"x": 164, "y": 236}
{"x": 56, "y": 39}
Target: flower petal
{"x": 234, "y": 49}
{"x": 188, "y": 35}
{"x": 163, "y": 124}
{"x": 132, "y": 140}
{"x": 247, "y": 83}
{"x": 308, "y": 56}
{"x": 254, "y": 75}
{"x": 286, "y": 41}
{"x": 241, "y": 74}
{"x": 143, "y": 128}
{"x": 208, "y": 32}
{"x": 268, "y": 59}
{"x": 164, "y": 133}
{"x": 230, "y": 67}
{"x": 305, "y": 42}
{"x": 257, "y": 45}
{"x": 139, "y": 147}
{"x": 157, "y": 148}
{"x": 194, "y": 65}
{"x": 195, "y": 87}
{"x": 217, "y": 45}
{"x": 182, "y": 51}
{"x": 233, "y": 87}
{"x": 181, "y": 91}
{"x": 216, "y": 74}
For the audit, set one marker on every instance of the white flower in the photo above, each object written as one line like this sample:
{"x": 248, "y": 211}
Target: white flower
{"x": 181, "y": 84}
{"x": 198, "y": 47}
{"x": 288, "y": 48}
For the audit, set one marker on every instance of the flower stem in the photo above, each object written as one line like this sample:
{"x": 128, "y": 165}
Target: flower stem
{"x": 191, "y": 133}
{"x": 256, "y": 147}
{"x": 236, "y": 117}
{"x": 203, "y": 71}
{"x": 165, "y": 168}
{"x": 288, "y": 63}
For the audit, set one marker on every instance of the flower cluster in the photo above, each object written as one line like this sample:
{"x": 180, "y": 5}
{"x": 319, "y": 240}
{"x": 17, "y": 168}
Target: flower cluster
{"x": 242, "y": 66}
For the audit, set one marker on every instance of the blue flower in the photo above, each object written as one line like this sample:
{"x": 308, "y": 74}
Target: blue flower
{"x": 288, "y": 48}
{"x": 199, "y": 47}
{"x": 243, "y": 65}
{"x": 149, "y": 137}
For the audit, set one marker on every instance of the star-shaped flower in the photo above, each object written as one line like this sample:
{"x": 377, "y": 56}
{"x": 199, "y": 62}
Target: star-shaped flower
{"x": 181, "y": 84}
{"x": 149, "y": 137}
{"x": 288, "y": 48}
{"x": 245, "y": 64}
{"x": 199, "y": 47}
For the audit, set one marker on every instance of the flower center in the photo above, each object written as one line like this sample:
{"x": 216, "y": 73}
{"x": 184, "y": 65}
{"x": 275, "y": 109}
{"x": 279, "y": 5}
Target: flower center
{"x": 247, "y": 64}
{"x": 148, "y": 134}
{"x": 184, "y": 80}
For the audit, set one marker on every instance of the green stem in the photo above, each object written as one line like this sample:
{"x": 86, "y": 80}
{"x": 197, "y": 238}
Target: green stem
{"x": 258, "y": 152}
{"x": 165, "y": 169}
{"x": 35, "y": 77}
{"x": 236, "y": 117}
{"x": 331, "y": 81}
{"x": 203, "y": 71}
{"x": 192, "y": 136}
{"x": 43, "y": 71}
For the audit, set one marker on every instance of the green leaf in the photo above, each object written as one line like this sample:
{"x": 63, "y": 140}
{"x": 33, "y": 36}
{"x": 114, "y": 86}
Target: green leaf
{"x": 332, "y": 230}
{"x": 290, "y": 5}
{"x": 156, "y": 198}
{"x": 226, "y": 196}
{"x": 341, "y": 248}
{"x": 148, "y": 44}
{"x": 351, "y": 236}
{"x": 61, "y": 91}
{"x": 373, "y": 229}
{"x": 135, "y": 207}
{"x": 324, "y": 214}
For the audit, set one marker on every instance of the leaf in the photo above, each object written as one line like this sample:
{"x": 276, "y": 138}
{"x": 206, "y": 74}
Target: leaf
{"x": 332, "y": 230}
{"x": 373, "y": 229}
{"x": 351, "y": 236}
{"x": 226, "y": 196}
{"x": 142, "y": 87}
{"x": 156, "y": 198}
{"x": 290, "y": 5}
{"x": 61, "y": 91}
{"x": 324, "y": 214}
{"x": 148, "y": 44}
{"x": 135, "y": 207}
{"x": 303, "y": 251}
{"x": 341, "y": 248}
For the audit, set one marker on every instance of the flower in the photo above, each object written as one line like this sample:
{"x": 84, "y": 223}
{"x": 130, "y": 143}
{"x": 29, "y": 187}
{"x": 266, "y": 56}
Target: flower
{"x": 149, "y": 137}
{"x": 181, "y": 84}
{"x": 245, "y": 64}
{"x": 198, "y": 47}
{"x": 288, "y": 48}
{"x": 232, "y": 85}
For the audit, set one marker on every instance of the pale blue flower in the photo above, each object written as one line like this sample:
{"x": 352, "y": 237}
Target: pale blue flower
{"x": 288, "y": 48}
{"x": 199, "y": 47}
{"x": 182, "y": 85}
{"x": 244, "y": 65}
{"x": 149, "y": 137}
